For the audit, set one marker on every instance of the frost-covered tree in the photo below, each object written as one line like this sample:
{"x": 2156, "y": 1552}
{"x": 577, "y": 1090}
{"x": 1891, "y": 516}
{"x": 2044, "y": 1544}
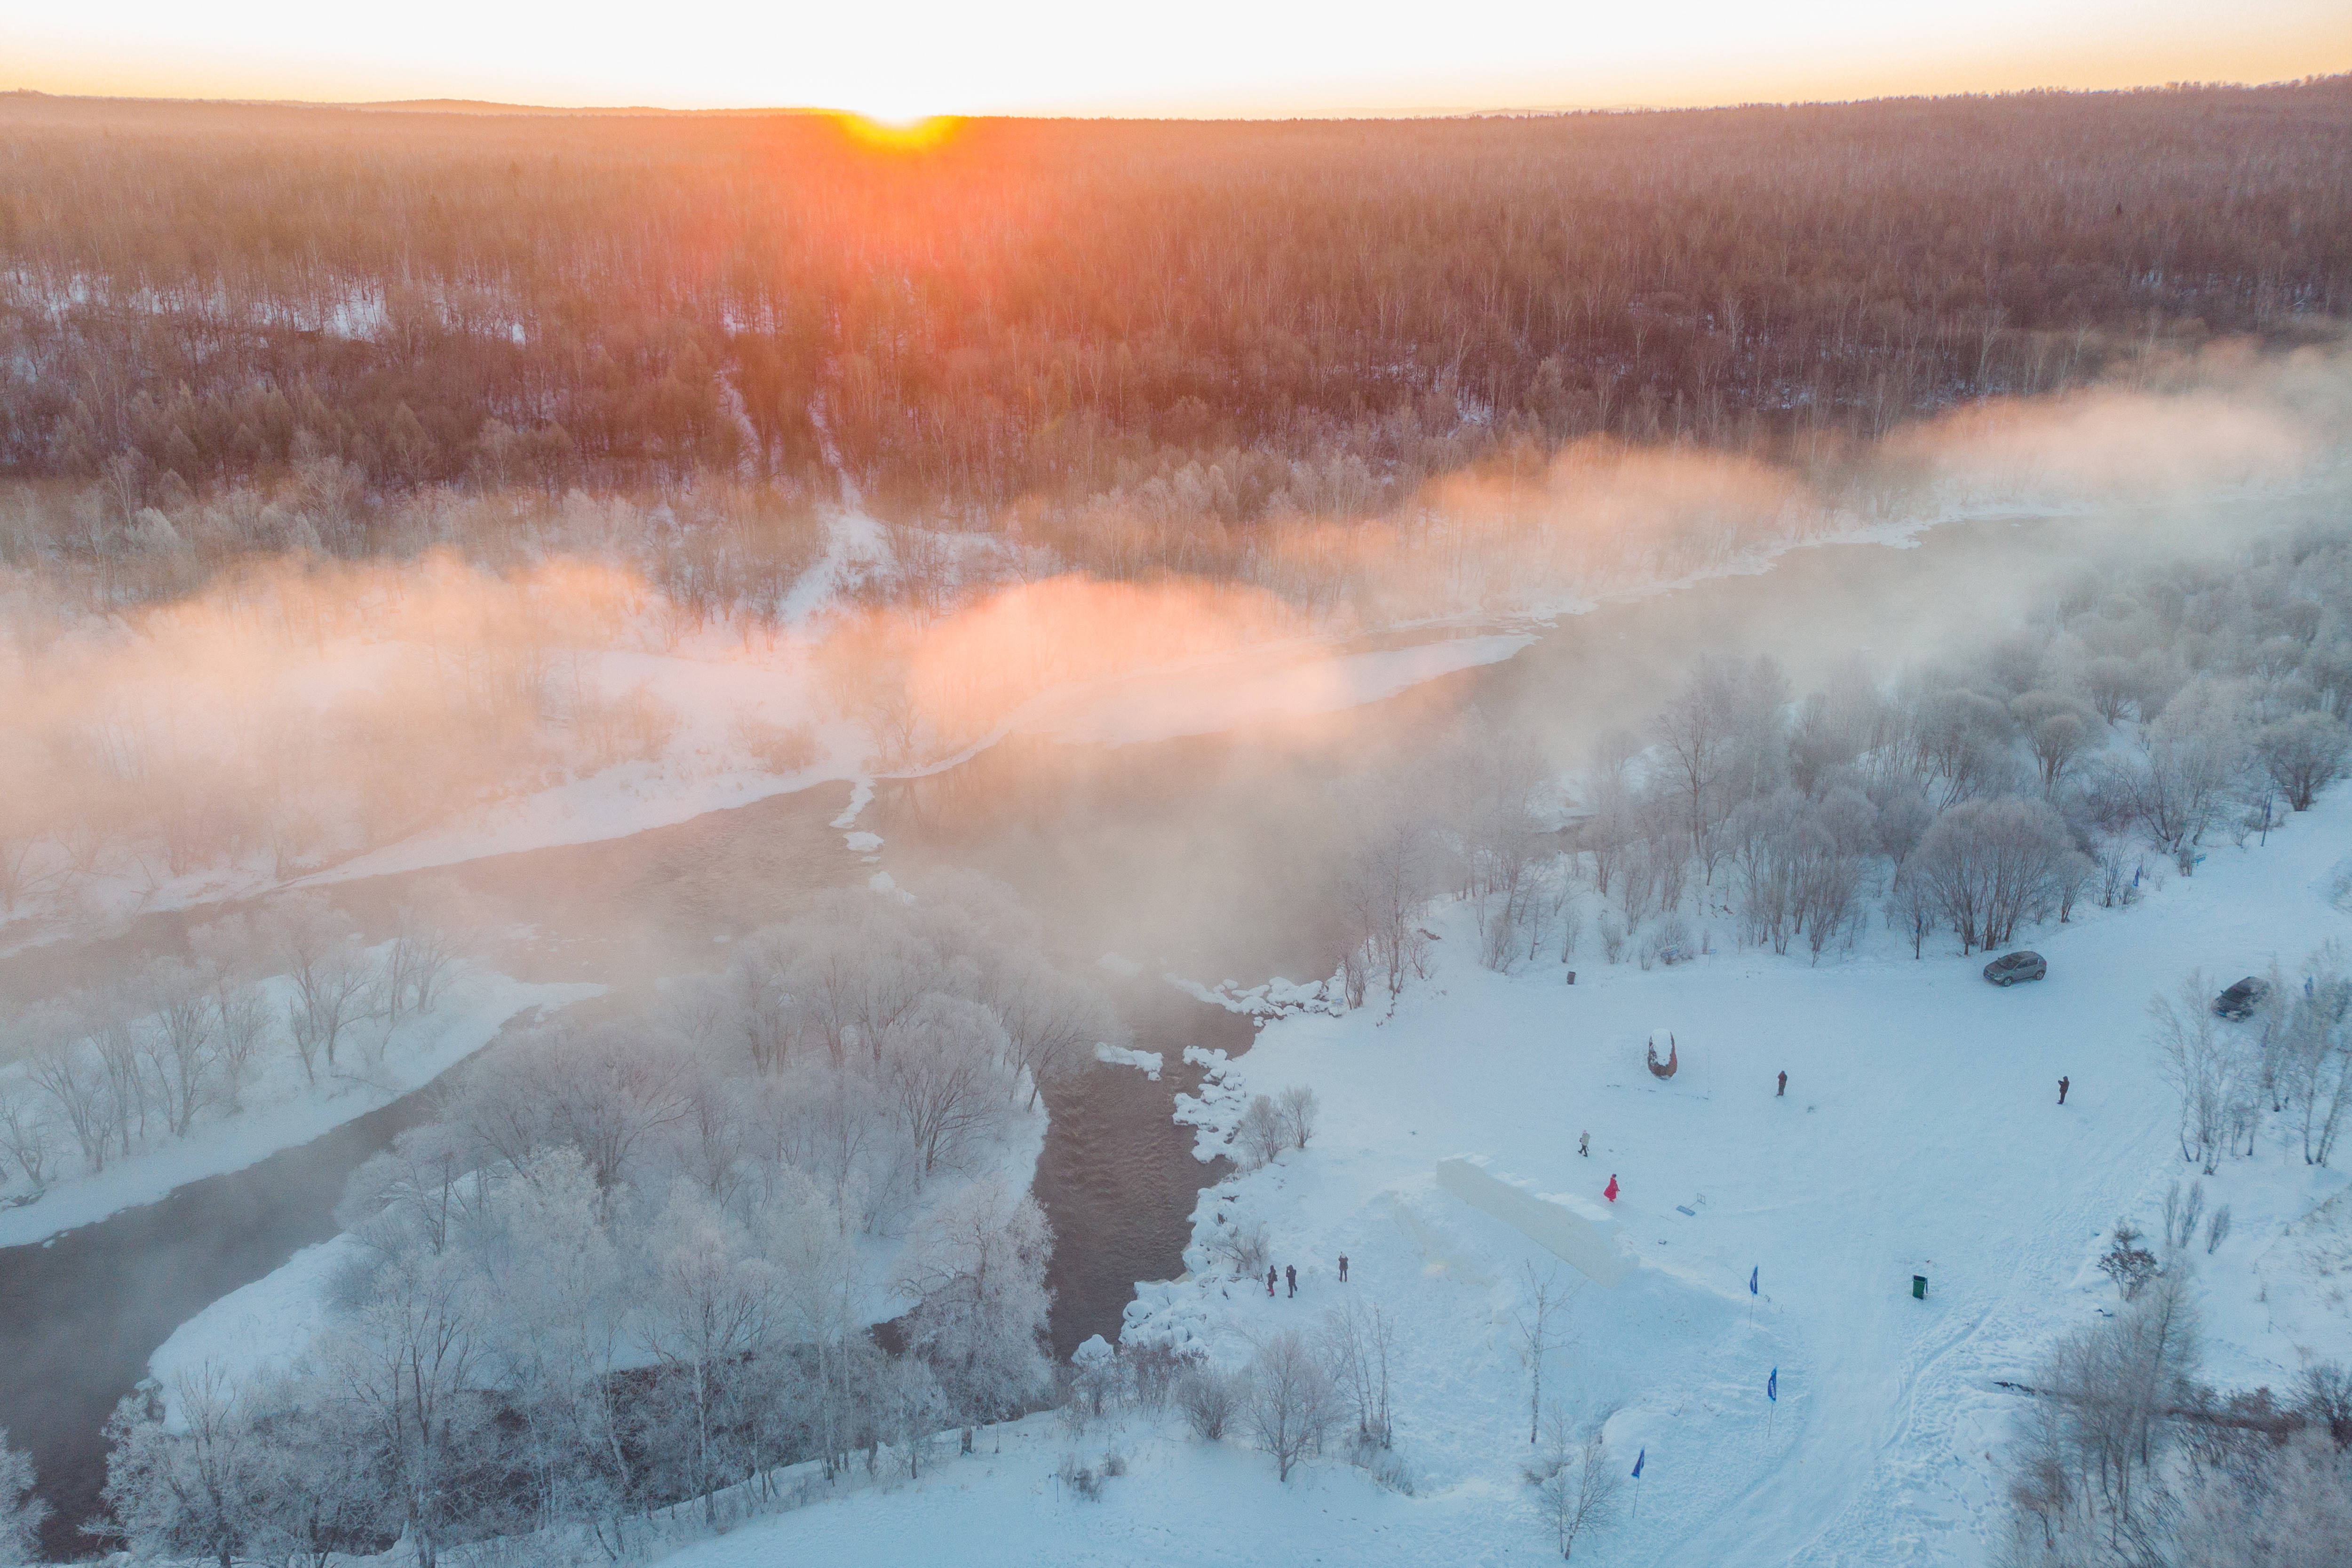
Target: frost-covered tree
{"x": 977, "y": 1265}
{"x": 1576, "y": 1481}
{"x": 195, "y": 1489}
{"x": 1051, "y": 1022}
{"x": 1300, "y": 1111}
{"x": 711, "y": 1301}
{"x": 2193, "y": 756}
{"x": 1391, "y": 875}
{"x": 1989, "y": 864}
{"x": 1262, "y": 1133}
{"x": 404, "y": 1360}
{"x": 2303, "y": 754}
{"x": 21, "y": 1513}
{"x": 942, "y": 1059}
{"x": 331, "y": 978}
{"x": 61, "y": 1061}
{"x": 1292, "y": 1403}
{"x": 180, "y": 1036}
{"x": 2206, "y": 1067}
{"x": 1096, "y": 1375}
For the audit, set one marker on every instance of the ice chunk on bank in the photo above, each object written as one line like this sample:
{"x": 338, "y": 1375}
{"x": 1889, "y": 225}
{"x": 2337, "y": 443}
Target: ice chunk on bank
{"x": 1119, "y": 1056}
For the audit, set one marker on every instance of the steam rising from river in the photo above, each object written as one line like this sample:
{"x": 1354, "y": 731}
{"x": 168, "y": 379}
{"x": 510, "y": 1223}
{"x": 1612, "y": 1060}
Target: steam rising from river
{"x": 304, "y": 709}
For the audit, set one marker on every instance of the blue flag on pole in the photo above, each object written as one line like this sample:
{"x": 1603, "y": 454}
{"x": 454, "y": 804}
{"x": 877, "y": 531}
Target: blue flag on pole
{"x": 1638, "y": 1460}
{"x": 1751, "y": 1279}
{"x": 1772, "y": 1387}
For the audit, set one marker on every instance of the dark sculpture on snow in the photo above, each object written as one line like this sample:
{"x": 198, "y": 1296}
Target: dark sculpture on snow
{"x": 1674, "y": 1057}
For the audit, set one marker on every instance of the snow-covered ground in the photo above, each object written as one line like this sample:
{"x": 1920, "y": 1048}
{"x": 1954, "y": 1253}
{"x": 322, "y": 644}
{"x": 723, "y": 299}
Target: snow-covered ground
{"x": 282, "y": 1111}
{"x": 1920, "y": 1135}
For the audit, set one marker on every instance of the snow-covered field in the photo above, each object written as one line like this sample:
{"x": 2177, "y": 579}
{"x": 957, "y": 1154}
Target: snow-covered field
{"x": 1920, "y": 1135}
{"x": 282, "y": 1111}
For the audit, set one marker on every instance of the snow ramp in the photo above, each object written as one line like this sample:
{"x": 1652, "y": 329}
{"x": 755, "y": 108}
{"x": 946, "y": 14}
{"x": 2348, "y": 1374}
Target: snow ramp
{"x": 1578, "y": 1232}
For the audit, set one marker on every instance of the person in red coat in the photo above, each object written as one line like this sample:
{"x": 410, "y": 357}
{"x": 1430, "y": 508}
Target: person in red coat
{"x": 1610, "y": 1192}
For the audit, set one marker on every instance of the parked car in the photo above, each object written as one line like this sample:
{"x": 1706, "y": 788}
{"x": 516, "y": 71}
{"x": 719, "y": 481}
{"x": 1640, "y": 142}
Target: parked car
{"x": 2012, "y": 967}
{"x": 2241, "y": 999}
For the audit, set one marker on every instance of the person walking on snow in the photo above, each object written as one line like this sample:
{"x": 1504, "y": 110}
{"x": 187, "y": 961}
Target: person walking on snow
{"x": 1291, "y": 1272}
{"x": 2062, "y": 1090}
{"x": 1269, "y": 1278}
{"x": 1610, "y": 1192}
{"x": 1343, "y": 1267}
{"x": 1784, "y": 1087}
{"x": 1584, "y": 1146}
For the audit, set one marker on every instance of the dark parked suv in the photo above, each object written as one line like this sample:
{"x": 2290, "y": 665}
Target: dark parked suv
{"x": 2012, "y": 967}
{"x": 2241, "y": 999}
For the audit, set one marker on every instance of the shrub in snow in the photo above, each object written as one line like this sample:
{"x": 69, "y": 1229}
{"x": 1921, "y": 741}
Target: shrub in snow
{"x": 1243, "y": 1247}
{"x": 2127, "y": 1262}
{"x": 2326, "y": 1400}
{"x": 1613, "y": 936}
{"x": 2217, "y": 1229}
{"x": 1299, "y": 1108}
{"x": 26, "y": 1139}
{"x": 1153, "y": 1369}
{"x": 909, "y": 1408}
{"x": 1080, "y": 1478}
{"x": 1572, "y": 926}
{"x": 1384, "y": 1465}
{"x": 1575, "y": 1479}
{"x": 1096, "y": 1371}
{"x": 1668, "y": 942}
{"x": 1209, "y": 1399}
{"x": 1262, "y": 1133}
{"x": 2209, "y": 1070}
{"x": 778, "y": 747}
{"x": 2182, "y": 1214}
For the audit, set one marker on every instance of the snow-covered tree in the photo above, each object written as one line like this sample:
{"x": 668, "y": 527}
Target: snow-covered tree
{"x": 21, "y": 1513}
{"x": 1576, "y": 1481}
{"x": 976, "y": 1264}
{"x": 710, "y": 1302}
{"x": 2207, "y": 1067}
{"x": 942, "y": 1059}
{"x": 331, "y": 977}
{"x": 196, "y": 1488}
{"x": 1292, "y": 1403}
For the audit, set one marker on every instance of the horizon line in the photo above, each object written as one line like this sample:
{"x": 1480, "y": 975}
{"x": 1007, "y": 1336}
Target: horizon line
{"x": 494, "y": 107}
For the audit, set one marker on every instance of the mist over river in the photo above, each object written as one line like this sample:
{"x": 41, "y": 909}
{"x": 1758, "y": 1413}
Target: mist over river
{"x": 1208, "y": 857}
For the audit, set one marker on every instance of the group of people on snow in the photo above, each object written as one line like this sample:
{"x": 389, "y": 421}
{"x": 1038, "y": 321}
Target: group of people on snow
{"x": 1289, "y": 1273}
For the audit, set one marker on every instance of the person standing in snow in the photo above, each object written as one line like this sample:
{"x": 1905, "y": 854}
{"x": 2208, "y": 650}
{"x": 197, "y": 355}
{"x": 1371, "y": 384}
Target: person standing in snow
{"x": 1269, "y": 1278}
{"x": 1343, "y": 1267}
{"x": 1610, "y": 1192}
{"x": 1784, "y": 1087}
{"x": 1291, "y": 1273}
{"x": 1584, "y": 1146}
{"x": 2062, "y": 1090}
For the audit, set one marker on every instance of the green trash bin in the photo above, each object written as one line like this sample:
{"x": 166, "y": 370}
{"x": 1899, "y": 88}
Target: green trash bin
{"x": 1918, "y": 1287}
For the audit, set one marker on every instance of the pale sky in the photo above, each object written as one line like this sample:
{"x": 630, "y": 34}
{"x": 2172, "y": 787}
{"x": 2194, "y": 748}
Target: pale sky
{"x": 912, "y": 58}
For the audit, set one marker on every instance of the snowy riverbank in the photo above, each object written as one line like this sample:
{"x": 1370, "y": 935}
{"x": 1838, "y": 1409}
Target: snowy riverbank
{"x": 1920, "y": 1135}
{"x": 283, "y": 1109}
